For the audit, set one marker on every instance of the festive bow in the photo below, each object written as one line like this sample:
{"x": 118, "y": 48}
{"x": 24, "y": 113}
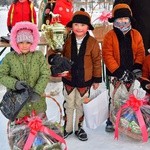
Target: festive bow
{"x": 104, "y": 16}
{"x": 36, "y": 126}
{"x": 135, "y": 104}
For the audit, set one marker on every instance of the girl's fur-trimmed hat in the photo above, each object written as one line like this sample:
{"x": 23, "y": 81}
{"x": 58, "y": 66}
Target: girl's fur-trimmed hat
{"x": 24, "y": 35}
{"x": 81, "y": 17}
{"x": 24, "y": 31}
{"x": 119, "y": 11}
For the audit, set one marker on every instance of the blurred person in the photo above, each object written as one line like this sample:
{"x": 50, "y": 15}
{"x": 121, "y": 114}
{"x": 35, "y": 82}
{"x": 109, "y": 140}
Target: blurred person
{"x": 21, "y": 10}
{"x": 145, "y": 81}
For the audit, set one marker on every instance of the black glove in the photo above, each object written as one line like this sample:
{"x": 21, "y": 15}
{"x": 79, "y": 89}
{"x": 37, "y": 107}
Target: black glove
{"x": 137, "y": 73}
{"x": 59, "y": 64}
{"x": 21, "y": 85}
{"x": 55, "y": 59}
{"x": 66, "y": 64}
{"x": 55, "y": 70}
{"x": 34, "y": 96}
{"x": 127, "y": 77}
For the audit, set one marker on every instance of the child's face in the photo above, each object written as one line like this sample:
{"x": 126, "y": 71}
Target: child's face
{"x": 80, "y": 29}
{"x": 24, "y": 47}
{"x": 123, "y": 19}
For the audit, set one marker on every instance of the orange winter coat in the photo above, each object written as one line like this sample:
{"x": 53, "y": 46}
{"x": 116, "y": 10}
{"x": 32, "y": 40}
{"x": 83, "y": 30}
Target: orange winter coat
{"x": 111, "y": 51}
{"x": 146, "y": 68}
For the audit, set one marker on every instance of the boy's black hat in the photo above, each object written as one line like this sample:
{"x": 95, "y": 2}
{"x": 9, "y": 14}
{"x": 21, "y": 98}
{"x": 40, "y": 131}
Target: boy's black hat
{"x": 119, "y": 11}
{"x": 81, "y": 17}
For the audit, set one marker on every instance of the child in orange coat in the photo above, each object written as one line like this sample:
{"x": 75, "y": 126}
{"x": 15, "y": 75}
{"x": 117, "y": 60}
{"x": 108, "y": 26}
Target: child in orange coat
{"x": 122, "y": 51}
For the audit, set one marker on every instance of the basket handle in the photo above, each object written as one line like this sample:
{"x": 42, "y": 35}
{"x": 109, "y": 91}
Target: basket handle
{"x": 60, "y": 109}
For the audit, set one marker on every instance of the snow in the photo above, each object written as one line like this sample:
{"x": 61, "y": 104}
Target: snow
{"x": 98, "y": 139}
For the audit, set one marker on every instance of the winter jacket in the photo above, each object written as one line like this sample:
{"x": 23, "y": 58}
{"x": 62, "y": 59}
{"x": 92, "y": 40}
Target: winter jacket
{"x": 86, "y": 68}
{"x": 141, "y": 13}
{"x": 21, "y": 11}
{"x": 146, "y": 68}
{"x": 146, "y": 73}
{"x": 113, "y": 52}
{"x": 33, "y": 69}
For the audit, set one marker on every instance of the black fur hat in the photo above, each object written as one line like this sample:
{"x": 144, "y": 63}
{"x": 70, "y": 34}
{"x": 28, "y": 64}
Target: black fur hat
{"x": 81, "y": 17}
{"x": 120, "y": 10}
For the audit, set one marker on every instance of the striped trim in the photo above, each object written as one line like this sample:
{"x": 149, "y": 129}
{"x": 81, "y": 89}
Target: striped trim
{"x": 32, "y": 17}
{"x": 12, "y": 14}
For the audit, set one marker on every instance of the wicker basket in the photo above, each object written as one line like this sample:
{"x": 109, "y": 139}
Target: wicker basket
{"x": 128, "y": 132}
{"x": 100, "y": 31}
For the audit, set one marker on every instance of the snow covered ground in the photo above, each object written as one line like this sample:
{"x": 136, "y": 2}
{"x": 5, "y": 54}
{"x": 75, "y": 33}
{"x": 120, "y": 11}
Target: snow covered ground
{"x": 98, "y": 138}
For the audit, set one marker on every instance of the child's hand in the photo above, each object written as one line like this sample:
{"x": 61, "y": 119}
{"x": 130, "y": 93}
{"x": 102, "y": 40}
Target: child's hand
{"x": 95, "y": 85}
{"x": 21, "y": 85}
{"x": 35, "y": 97}
{"x": 86, "y": 100}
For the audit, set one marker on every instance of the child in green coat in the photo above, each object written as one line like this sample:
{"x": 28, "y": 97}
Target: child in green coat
{"x": 26, "y": 67}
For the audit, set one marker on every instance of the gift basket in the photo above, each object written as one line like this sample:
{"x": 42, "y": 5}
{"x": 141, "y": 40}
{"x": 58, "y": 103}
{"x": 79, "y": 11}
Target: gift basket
{"x": 129, "y": 114}
{"x": 36, "y": 133}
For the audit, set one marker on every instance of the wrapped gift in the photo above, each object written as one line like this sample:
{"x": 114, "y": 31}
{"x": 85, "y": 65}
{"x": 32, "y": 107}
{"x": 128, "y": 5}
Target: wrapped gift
{"x": 36, "y": 135}
{"x": 132, "y": 119}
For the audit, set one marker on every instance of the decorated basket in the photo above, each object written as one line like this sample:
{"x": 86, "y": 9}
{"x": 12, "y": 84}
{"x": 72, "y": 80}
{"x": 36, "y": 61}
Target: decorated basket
{"x": 132, "y": 118}
{"x": 36, "y": 133}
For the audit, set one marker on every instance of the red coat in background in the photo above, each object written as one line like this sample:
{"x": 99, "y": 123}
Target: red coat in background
{"x": 21, "y": 11}
{"x": 65, "y": 9}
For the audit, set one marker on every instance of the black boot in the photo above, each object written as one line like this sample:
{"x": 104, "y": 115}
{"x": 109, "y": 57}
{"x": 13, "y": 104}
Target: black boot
{"x": 109, "y": 126}
{"x": 81, "y": 134}
{"x": 66, "y": 134}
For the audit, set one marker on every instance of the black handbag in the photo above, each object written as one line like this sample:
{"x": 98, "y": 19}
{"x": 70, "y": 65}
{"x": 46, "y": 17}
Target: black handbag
{"x": 13, "y": 101}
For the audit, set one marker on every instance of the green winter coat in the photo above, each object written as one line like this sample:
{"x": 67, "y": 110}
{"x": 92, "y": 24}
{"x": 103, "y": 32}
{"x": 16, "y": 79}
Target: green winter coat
{"x": 32, "y": 68}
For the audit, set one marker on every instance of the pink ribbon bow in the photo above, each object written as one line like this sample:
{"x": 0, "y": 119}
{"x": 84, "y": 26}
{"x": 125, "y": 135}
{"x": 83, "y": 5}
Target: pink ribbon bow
{"x": 104, "y": 16}
{"x": 36, "y": 126}
{"x": 135, "y": 104}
